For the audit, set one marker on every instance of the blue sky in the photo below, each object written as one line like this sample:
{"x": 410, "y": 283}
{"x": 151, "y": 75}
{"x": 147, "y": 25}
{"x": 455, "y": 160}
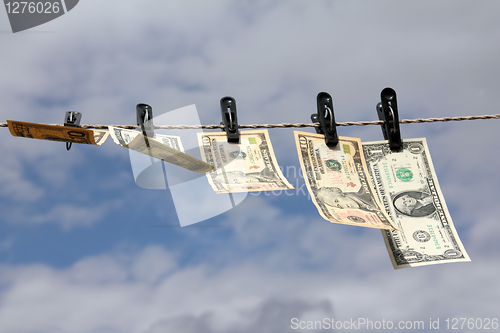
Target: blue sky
{"x": 83, "y": 249}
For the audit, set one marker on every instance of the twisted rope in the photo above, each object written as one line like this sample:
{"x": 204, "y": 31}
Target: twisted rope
{"x": 288, "y": 125}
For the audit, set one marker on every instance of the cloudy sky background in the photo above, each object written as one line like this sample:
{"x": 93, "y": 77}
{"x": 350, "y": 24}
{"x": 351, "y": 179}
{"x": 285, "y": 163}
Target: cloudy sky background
{"x": 84, "y": 249}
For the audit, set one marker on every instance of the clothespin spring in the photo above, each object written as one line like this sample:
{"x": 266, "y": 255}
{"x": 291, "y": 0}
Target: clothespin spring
{"x": 387, "y": 111}
{"x": 71, "y": 119}
{"x": 331, "y": 117}
{"x": 230, "y": 119}
{"x": 326, "y": 119}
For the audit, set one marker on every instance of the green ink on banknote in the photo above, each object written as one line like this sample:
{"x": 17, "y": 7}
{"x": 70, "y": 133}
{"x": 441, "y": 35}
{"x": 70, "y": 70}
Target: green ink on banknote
{"x": 333, "y": 165}
{"x": 404, "y": 174}
{"x": 237, "y": 154}
{"x": 388, "y": 175}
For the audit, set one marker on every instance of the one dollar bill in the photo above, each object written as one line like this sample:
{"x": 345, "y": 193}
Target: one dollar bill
{"x": 164, "y": 147}
{"x": 408, "y": 188}
{"x": 338, "y": 181}
{"x": 57, "y": 133}
{"x": 245, "y": 167}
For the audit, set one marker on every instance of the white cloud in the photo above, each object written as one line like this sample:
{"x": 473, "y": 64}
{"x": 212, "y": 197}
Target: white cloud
{"x": 67, "y": 216}
{"x": 14, "y": 185}
{"x": 147, "y": 291}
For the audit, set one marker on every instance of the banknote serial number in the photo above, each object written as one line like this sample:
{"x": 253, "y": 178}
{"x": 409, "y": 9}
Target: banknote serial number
{"x": 472, "y": 323}
{"x": 33, "y": 7}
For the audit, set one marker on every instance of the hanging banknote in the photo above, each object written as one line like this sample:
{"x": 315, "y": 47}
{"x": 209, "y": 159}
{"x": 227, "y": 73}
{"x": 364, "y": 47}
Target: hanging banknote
{"x": 164, "y": 147}
{"x": 338, "y": 181}
{"x": 57, "y": 133}
{"x": 248, "y": 166}
{"x": 408, "y": 188}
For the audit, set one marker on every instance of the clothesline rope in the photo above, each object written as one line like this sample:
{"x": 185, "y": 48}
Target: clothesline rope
{"x": 288, "y": 125}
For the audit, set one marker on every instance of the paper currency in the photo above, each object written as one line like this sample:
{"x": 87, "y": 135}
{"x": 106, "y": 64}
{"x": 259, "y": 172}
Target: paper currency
{"x": 57, "y": 133}
{"x": 164, "y": 147}
{"x": 408, "y": 188}
{"x": 338, "y": 181}
{"x": 248, "y": 166}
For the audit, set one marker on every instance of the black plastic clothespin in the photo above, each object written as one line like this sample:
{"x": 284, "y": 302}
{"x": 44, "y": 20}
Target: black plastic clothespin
{"x": 145, "y": 119}
{"x": 230, "y": 119}
{"x": 326, "y": 119}
{"x": 72, "y": 118}
{"x": 387, "y": 111}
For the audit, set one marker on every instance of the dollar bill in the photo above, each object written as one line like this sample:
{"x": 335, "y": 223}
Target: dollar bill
{"x": 57, "y": 133}
{"x": 338, "y": 181}
{"x": 164, "y": 147}
{"x": 245, "y": 167}
{"x": 408, "y": 188}
{"x": 123, "y": 137}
